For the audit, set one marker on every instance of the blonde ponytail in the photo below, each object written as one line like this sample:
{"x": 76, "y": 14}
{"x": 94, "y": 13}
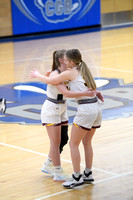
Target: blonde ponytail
{"x": 87, "y": 76}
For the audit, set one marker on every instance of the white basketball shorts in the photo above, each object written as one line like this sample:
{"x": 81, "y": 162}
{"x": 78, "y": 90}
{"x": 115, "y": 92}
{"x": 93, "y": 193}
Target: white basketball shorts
{"x": 53, "y": 114}
{"x": 88, "y": 116}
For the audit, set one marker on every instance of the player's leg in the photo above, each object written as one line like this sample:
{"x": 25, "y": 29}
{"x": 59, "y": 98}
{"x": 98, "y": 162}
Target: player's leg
{"x": 87, "y": 143}
{"x": 77, "y": 135}
{"x": 53, "y": 158}
{"x": 54, "y": 153}
{"x": 54, "y": 133}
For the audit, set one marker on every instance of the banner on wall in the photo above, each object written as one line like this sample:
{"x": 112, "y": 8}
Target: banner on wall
{"x": 50, "y": 15}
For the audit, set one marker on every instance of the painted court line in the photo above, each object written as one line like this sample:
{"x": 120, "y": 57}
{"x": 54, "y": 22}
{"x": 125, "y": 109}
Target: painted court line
{"x": 86, "y": 185}
{"x": 112, "y": 69}
{"x": 111, "y": 47}
{"x": 23, "y": 149}
{"x": 48, "y": 57}
{"x": 67, "y": 190}
{"x": 43, "y": 154}
{"x": 97, "y": 67}
{"x": 25, "y": 59}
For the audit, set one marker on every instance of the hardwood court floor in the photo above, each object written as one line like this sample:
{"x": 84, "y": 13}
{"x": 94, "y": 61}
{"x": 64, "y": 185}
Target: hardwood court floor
{"x": 24, "y": 148}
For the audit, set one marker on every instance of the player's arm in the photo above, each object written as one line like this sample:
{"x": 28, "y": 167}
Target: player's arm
{"x": 67, "y": 75}
{"x": 73, "y": 94}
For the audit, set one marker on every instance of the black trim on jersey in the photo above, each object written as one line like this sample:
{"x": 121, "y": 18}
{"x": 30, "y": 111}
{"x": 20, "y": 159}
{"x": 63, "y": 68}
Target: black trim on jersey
{"x": 56, "y": 101}
{"x": 85, "y": 101}
{"x": 59, "y": 96}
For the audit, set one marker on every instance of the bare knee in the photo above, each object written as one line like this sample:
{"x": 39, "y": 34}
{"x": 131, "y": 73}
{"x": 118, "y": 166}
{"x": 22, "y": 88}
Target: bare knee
{"x": 54, "y": 146}
{"x": 72, "y": 145}
{"x": 86, "y": 143}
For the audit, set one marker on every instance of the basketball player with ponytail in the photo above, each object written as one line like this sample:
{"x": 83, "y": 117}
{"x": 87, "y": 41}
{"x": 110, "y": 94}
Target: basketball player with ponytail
{"x": 88, "y": 116}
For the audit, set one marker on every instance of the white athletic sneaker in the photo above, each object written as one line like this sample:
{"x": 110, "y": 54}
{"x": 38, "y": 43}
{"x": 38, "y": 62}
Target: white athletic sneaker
{"x": 73, "y": 182}
{"x": 48, "y": 168}
{"x": 88, "y": 178}
{"x": 2, "y": 105}
{"x": 60, "y": 175}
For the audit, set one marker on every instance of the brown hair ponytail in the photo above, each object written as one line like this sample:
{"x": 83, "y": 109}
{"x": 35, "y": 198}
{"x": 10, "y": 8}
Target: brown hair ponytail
{"x": 56, "y": 55}
{"x": 54, "y": 65}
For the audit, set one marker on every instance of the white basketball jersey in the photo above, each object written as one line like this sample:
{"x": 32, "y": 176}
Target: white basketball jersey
{"x": 79, "y": 85}
{"x": 53, "y": 92}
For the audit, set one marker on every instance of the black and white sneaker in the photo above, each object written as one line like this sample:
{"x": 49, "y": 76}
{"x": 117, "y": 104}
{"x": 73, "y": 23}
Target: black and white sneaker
{"x": 88, "y": 178}
{"x": 2, "y": 105}
{"x": 73, "y": 182}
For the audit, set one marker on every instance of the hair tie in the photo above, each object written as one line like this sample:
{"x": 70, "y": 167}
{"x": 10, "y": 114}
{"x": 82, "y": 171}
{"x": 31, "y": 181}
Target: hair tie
{"x": 80, "y": 63}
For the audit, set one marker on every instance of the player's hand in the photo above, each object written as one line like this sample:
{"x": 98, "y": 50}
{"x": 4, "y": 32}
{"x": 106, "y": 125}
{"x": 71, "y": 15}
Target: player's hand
{"x": 48, "y": 73}
{"x": 34, "y": 73}
{"x": 90, "y": 92}
{"x": 100, "y": 96}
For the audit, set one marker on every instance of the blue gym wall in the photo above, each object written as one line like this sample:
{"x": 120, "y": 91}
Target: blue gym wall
{"x": 32, "y": 16}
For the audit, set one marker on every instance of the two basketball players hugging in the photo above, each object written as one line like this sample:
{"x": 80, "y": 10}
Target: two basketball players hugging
{"x": 69, "y": 68}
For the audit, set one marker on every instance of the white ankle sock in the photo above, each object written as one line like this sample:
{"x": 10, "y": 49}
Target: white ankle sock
{"x": 87, "y": 170}
{"x": 57, "y": 168}
{"x": 48, "y": 160}
{"x": 76, "y": 174}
